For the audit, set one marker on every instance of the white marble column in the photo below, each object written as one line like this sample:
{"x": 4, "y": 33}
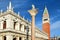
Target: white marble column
{"x": 17, "y": 38}
{"x": 1, "y": 37}
{"x": 9, "y": 37}
{"x": 23, "y": 38}
{"x": 17, "y": 27}
{"x": 22, "y": 28}
{"x": 9, "y": 24}
{"x": 1, "y": 24}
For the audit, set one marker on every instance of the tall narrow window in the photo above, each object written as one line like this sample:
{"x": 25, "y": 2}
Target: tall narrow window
{"x": 4, "y": 25}
{"x": 14, "y": 24}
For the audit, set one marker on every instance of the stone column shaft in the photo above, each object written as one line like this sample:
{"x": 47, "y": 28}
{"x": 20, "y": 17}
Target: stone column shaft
{"x": 22, "y": 28}
{"x": 9, "y": 37}
{"x": 23, "y": 38}
{"x": 9, "y": 24}
{"x": 33, "y": 28}
{"x": 17, "y": 38}
{"x": 17, "y": 27}
{"x": 1, "y": 25}
{"x": 1, "y": 38}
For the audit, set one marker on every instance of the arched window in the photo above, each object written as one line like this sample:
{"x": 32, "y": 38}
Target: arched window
{"x": 14, "y": 24}
{"x": 4, "y": 25}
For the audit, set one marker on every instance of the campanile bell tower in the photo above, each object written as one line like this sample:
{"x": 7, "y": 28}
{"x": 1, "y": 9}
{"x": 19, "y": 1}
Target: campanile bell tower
{"x": 46, "y": 22}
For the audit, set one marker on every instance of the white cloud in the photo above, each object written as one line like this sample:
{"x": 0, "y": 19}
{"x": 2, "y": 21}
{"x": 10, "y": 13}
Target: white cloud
{"x": 55, "y": 25}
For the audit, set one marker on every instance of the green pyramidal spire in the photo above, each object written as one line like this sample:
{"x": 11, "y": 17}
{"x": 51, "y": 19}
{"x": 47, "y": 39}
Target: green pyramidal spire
{"x": 45, "y": 10}
{"x": 45, "y": 14}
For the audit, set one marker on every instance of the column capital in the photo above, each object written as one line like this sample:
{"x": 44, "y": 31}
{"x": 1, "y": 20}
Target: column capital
{"x": 33, "y": 11}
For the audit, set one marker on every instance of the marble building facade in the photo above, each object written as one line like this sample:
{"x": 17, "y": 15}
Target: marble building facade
{"x": 13, "y": 27}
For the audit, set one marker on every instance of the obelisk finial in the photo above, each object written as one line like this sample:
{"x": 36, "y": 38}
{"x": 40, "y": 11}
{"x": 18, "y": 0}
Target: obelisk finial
{"x": 10, "y": 6}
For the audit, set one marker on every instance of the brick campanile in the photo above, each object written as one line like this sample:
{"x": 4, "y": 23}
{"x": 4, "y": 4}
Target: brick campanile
{"x": 46, "y": 23}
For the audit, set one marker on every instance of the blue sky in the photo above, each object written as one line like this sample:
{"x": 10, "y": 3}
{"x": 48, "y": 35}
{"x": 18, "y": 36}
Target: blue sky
{"x": 23, "y": 6}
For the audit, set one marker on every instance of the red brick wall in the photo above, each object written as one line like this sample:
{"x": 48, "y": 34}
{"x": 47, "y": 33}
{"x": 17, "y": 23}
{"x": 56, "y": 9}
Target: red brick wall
{"x": 46, "y": 28}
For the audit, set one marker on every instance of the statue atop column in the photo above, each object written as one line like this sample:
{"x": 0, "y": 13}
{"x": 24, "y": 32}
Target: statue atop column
{"x": 33, "y": 12}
